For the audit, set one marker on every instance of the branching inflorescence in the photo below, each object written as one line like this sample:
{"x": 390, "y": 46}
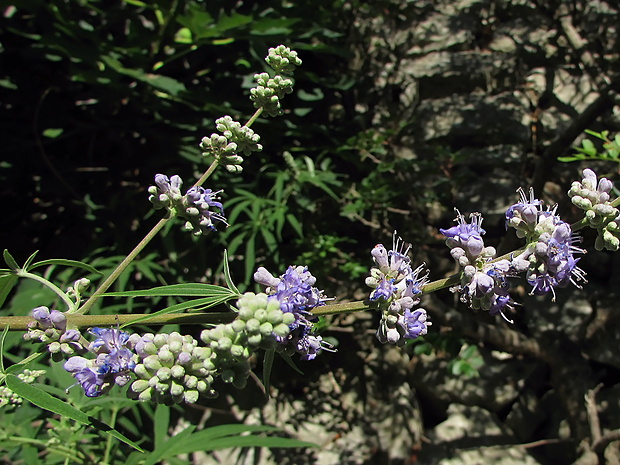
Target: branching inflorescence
{"x": 172, "y": 368}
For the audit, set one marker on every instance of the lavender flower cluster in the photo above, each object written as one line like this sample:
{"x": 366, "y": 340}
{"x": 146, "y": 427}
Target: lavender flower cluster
{"x": 548, "y": 259}
{"x": 198, "y": 207}
{"x": 397, "y": 289}
{"x": 296, "y": 294}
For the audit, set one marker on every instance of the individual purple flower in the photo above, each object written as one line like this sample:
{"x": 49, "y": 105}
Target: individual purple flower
{"x": 466, "y": 236}
{"x": 523, "y": 216}
{"x": 415, "y": 322}
{"x": 88, "y": 376}
{"x": 384, "y": 290}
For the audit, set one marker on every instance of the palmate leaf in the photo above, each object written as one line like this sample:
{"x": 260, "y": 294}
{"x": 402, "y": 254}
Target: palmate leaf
{"x": 45, "y": 401}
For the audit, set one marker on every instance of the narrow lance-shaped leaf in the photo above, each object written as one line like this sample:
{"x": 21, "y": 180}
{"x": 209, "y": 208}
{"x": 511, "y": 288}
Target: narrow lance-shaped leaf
{"x": 45, "y": 401}
{"x": 227, "y": 276}
{"x": 62, "y": 262}
{"x": 10, "y": 261}
{"x": 185, "y": 290}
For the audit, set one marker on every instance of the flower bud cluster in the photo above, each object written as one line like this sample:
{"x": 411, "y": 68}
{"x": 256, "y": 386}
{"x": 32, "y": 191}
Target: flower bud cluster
{"x": 260, "y": 324}
{"x": 195, "y": 207}
{"x": 7, "y": 396}
{"x": 283, "y": 60}
{"x": 77, "y": 289}
{"x": 295, "y": 293}
{"x": 50, "y": 327}
{"x": 484, "y": 282}
{"x": 396, "y": 290}
{"x": 269, "y": 91}
{"x": 171, "y": 368}
{"x": 592, "y": 196}
{"x": 235, "y": 138}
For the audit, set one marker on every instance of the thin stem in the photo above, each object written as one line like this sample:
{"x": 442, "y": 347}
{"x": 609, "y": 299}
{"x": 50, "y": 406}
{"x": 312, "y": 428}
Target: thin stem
{"x": 52, "y": 286}
{"x": 207, "y": 173}
{"x": 120, "y": 268}
{"x": 254, "y": 117}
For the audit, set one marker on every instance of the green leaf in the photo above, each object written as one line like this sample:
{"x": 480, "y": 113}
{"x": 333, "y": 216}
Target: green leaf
{"x": 287, "y": 358}
{"x": 63, "y": 262}
{"x": 185, "y": 290}
{"x": 6, "y": 284}
{"x": 220, "y": 437}
{"x": 227, "y": 277}
{"x": 52, "y": 133}
{"x": 267, "y": 366}
{"x": 195, "y": 305}
{"x": 10, "y": 261}
{"x": 161, "y": 422}
{"x": 235, "y": 20}
{"x": 183, "y": 36}
{"x": 45, "y": 401}
{"x": 30, "y": 259}
{"x": 164, "y": 83}
{"x": 2, "y": 338}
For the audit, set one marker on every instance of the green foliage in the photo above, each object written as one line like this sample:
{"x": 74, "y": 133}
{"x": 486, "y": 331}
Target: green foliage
{"x": 589, "y": 151}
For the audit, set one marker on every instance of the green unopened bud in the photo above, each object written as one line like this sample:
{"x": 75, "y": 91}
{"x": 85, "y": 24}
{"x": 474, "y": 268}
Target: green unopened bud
{"x": 281, "y": 330}
{"x": 237, "y": 351}
{"x": 176, "y": 389}
{"x": 224, "y": 344}
{"x": 190, "y": 397}
{"x": 141, "y": 371}
{"x": 152, "y": 363}
{"x": 252, "y": 326}
{"x": 238, "y": 325}
{"x": 150, "y": 348}
{"x": 254, "y": 339}
{"x": 160, "y": 339}
{"x": 245, "y": 313}
{"x": 145, "y": 396}
{"x": 54, "y": 347}
{"x": 163, "y": 373}
{"x": 139, "y": 385}
{"x": 190, "y": 382}
{"x": 275, "y": 317}
{"x": 605, "y": 210}
{"x": 288, "y": 318}
{"x": 266, "y": 328}
{"x": 260, "y": 315}
{"x": 175, "y": 346}
{"x": 165, "y": 356}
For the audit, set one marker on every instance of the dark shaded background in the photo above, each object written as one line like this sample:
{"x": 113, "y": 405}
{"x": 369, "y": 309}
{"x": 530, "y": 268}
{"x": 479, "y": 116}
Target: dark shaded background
{"x": 404, "y": 110}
